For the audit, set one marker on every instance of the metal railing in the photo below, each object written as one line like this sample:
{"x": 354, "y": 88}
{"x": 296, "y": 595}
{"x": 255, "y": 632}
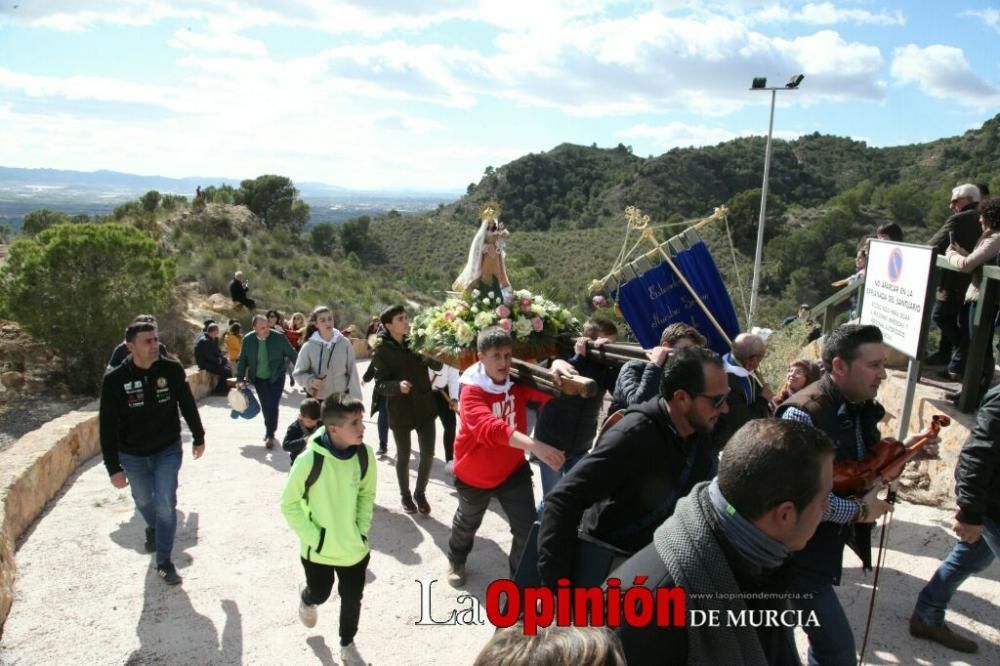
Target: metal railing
{"x": 826, "y": 311}
{"x": 981, "y": 335}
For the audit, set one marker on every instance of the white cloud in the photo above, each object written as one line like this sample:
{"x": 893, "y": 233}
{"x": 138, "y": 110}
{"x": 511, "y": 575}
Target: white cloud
{"x": 989, "y": 17}
{"x": 217, "y": 42}
{"x": 826, "y": 13}
{"x": 943, "y": 72}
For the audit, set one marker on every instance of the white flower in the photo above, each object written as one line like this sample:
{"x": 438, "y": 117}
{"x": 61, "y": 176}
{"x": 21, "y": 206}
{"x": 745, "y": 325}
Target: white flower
{"x": 485, "y": 319}
{"x": 538, "y": 310}
{"x": 463, "y": 333}
{"x": 522, "y": 327}
{"x": 486, "y": 301}
{"x": 475, "y": 293}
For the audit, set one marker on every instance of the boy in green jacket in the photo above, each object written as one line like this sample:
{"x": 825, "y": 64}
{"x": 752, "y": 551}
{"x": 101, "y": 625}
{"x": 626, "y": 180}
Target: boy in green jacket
{"x": 328, "y": 502}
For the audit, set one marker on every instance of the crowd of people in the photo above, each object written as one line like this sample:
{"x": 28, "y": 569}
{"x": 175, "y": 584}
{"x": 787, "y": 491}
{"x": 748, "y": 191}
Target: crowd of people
{"x": 700, "y": 476}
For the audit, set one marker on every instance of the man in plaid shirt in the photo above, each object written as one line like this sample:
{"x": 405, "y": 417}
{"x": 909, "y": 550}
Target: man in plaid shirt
{"x": 842, "y": 404}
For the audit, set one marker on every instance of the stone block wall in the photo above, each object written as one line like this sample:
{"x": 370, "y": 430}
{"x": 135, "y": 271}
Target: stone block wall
{"x": 34, "y": 469}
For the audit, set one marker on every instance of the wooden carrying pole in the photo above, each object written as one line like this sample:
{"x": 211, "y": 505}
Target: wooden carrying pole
{"x": 538, "y": 377}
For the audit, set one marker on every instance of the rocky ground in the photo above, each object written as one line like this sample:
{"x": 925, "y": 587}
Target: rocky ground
{"x": 86, "y": 593}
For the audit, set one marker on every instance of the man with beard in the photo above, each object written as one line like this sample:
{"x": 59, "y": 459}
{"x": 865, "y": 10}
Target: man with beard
{"x": 641, "y": 466}
{"x": 842, "y": 404}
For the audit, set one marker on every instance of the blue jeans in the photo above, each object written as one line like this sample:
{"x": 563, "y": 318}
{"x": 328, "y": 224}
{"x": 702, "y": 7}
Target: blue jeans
{"x": 269, "y": 393}
{"x": 832, "y": 642}
{"x": 153, "y": 481}
{"x": 963, "y": 561}
{"x": 550, "y": 477}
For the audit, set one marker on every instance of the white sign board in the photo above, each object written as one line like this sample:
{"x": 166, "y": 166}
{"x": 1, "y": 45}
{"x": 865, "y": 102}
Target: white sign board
{"x": 895, "y": 297}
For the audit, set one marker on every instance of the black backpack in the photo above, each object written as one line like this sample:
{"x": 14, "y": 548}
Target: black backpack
{"x": 317, "y": 467}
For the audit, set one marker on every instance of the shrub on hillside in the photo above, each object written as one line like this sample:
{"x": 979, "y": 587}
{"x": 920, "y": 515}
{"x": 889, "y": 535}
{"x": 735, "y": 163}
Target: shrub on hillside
{"x": 38, "y": 221}
{"x": 76, "y": 286}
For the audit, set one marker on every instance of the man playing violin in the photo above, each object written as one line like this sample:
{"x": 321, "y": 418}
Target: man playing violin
{"x": 842, "y": 404}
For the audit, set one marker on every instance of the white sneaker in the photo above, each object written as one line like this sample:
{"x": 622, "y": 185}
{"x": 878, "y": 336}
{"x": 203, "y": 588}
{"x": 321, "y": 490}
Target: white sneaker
{"x": 350, "y": 656}
{"x": 307, "y": 613}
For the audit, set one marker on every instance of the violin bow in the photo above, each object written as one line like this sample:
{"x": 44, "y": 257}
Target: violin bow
{"x": 938, "y": 421}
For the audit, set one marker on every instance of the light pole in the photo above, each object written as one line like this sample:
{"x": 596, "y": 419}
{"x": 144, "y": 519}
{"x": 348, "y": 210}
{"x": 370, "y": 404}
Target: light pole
{"x": 760, "y": 83}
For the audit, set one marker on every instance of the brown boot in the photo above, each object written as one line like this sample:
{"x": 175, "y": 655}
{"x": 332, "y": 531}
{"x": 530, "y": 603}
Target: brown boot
{"x": 941, "y": 635}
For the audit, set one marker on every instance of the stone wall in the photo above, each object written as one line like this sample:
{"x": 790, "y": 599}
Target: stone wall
{"x": 34, "y": 469}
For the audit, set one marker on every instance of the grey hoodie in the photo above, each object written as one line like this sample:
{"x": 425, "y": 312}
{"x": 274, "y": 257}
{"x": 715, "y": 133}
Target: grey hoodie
{"x": 333, "y": 362}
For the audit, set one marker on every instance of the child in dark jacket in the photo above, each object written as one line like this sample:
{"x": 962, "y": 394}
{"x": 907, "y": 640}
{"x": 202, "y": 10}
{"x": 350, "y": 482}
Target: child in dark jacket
{"x": 299, "y": 431}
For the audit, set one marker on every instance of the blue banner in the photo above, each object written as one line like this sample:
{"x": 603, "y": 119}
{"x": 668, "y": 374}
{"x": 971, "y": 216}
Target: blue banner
{"x": 658, "y": 298}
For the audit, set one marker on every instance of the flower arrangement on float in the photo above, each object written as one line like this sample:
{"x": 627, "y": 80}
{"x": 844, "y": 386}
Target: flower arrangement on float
{"x": 449, "y": 331}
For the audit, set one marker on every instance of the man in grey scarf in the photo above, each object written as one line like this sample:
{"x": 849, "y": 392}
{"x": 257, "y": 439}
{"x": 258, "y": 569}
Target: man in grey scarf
{"x": 725, "y": 546}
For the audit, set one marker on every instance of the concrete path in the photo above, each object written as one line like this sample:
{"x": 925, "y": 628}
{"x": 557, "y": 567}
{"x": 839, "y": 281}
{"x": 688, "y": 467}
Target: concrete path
{"x": 86, "y": 593}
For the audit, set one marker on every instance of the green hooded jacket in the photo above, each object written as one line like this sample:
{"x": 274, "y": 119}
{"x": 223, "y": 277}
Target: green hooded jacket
{"x": 333, "y": 524}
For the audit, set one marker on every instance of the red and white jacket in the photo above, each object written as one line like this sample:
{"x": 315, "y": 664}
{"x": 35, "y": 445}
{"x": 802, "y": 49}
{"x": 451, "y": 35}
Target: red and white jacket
{"x": 489, "y": 414}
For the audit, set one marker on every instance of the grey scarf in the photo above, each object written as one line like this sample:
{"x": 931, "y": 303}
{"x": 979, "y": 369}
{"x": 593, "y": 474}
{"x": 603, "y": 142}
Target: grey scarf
{"x": 741, "y": 534}
{"x": 696, "y": 562}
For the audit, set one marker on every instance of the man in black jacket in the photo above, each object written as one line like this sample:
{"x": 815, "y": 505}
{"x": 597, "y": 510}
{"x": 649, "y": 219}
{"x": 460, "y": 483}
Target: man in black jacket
{"x": 640, "y": 467}
{"x": 569, "y": 422}
{"x": 977, "y": 525}
{"x": 209, "y": 357}
{"x": 141, "y": 436}
{"x": 727, "y": 544}
{"x": 639, "y": 381}
{"x": 963, "y": 229}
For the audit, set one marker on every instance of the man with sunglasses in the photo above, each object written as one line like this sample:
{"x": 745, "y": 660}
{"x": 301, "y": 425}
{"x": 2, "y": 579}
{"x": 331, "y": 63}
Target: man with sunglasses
{"x": 628, "y": 485}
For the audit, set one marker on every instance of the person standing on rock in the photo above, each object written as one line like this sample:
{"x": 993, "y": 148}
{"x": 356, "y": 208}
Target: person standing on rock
{"x": 977, "y": 525}
{"x": 140, "y": 433}
{"x": 262, "y": 361}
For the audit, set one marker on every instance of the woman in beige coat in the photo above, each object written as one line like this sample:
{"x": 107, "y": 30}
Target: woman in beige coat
{"x": 986, "y": 250}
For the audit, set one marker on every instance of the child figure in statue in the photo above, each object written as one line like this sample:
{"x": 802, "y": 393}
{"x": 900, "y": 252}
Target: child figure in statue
{"x": 486, "y": 268}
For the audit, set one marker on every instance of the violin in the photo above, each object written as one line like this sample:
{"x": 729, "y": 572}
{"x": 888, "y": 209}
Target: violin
{"x": 884, "y": 462}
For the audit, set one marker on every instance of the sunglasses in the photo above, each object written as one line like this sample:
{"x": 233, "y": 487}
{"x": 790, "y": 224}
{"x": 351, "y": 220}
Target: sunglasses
{"x": 716, "y": 400}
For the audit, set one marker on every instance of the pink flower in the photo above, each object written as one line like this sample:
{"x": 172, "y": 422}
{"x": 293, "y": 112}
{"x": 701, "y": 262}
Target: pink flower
{"x": 525, "y": 302}
{"x": 449, "y": 315}
{"x": 508, "y": 298}
{"x": 503, "y": 311}
{"x": 599, "y": 301}
{"x": 537, "y": 324}
{"x": 505, "y": 324}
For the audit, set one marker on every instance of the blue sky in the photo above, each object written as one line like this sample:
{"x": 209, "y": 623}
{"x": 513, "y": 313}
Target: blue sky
{"x": 396, "y": 94}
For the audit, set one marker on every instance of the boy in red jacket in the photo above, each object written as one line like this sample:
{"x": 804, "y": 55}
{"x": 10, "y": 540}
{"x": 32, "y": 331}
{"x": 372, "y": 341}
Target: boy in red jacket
{"x": 489, "y": 450}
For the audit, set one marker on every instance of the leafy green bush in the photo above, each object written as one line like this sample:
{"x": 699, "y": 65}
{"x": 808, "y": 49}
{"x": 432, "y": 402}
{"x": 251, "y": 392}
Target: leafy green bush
{"x": 76, "y": 286}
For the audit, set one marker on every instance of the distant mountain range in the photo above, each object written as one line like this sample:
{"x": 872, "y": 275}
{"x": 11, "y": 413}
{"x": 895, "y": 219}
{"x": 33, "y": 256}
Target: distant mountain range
{"x": 99, "y": 192}
{"x": 132, "y": 184}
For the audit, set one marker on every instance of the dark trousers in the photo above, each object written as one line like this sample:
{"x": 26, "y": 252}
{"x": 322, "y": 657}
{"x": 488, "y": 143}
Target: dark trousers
{"x": 945, "y": 316}
{"x": 319, "y": 582}
{"x": 382, "y": 407}
{"x": 425, "y": 440}
{"x": 516, "y": 499}
{"x": 967, "y": 321}
{"x": 269, "y": 393}
{"x": 448, "y": 420}
{"x": 223, "y": 372}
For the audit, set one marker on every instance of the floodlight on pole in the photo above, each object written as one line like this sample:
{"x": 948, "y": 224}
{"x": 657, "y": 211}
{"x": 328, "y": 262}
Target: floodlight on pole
{"x": 760, "y": 83}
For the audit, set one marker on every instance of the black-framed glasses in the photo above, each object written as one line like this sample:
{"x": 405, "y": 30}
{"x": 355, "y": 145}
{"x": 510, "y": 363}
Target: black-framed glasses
{"x": 716, "y": 400}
